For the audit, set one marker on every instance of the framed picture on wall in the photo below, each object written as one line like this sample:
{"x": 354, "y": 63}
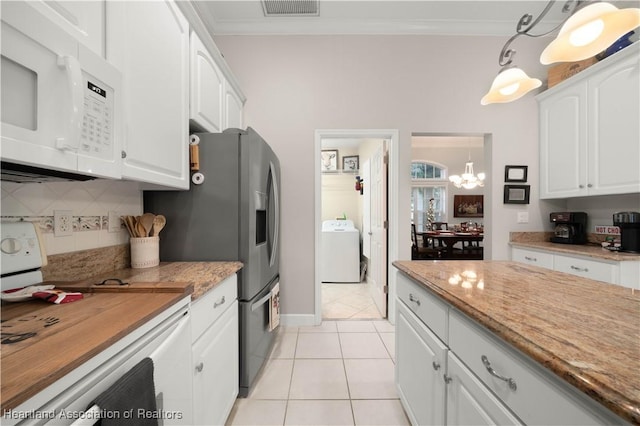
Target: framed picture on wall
{"x": 468, "y": 206}
{"x": 350, "y": 163}
{"x": 329, "y": 160}
{"x": 516, "y": 194}
{"x": 515, "y": 173}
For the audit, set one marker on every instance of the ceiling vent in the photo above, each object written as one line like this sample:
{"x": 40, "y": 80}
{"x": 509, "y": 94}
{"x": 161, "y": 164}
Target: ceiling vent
{"x": 291, "y": 7}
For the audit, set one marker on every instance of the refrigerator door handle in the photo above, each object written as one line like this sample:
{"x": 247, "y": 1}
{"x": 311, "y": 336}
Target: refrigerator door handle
{"x": 261, "y": 302}
{"x": 276, "y": 201}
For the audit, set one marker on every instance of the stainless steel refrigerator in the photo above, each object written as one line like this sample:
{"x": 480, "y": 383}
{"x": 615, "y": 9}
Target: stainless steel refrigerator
{"x": 233, "y": 214}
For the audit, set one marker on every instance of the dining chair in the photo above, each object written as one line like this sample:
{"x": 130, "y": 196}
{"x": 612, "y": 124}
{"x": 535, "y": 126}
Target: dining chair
{"x": 439, "y": 226}
{"x": 418, "y": 250}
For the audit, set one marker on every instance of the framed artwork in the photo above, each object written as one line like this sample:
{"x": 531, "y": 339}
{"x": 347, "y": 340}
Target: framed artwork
{"x": 515, "y": 173}
{"x": 468, "y": 206}
{"x": 516, "y": 194}
{"x": 329, "y": 160}
{"x": 350, "y": 163}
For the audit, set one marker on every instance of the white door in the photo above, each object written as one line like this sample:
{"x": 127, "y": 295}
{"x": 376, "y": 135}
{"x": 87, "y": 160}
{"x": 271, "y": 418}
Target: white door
{"x": 366, "y": 211}
{"x": 378, "y": 259}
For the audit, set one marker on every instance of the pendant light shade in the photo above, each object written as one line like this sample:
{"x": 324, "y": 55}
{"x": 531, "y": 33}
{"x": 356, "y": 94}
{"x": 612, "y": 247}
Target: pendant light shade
{"x": 589, "y": 31}
{"x": 509, "y": 85}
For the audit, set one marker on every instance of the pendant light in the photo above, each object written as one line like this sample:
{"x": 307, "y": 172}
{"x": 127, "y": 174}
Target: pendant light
{"x": 589, "y": 31}
{"x": 510, "y": 84}
{"x": 585, "y": 32}
{"x": 468, "y": 180}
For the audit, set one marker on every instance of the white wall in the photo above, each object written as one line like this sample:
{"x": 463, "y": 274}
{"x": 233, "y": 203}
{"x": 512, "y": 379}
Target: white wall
{"x": 297, "y": 84}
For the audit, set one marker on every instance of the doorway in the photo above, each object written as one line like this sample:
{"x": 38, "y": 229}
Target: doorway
{"x": 344, "y": 157}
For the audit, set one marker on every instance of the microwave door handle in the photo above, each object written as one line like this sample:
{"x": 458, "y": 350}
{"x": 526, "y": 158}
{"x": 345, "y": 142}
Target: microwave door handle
{"x": 71, "y": 142}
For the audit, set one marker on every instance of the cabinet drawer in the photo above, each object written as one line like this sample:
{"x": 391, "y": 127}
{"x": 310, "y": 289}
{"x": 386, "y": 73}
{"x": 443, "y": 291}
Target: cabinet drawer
{"x": 592, "y": 269}
{"x": 532, "y": 257}
{"x": 209, "y": 307}
{"x": 534, "y": 388}
{"x": 431, "y": 311}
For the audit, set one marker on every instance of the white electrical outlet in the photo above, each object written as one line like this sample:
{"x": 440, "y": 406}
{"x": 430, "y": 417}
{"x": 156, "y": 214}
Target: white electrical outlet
{"x": 62, "y": 222}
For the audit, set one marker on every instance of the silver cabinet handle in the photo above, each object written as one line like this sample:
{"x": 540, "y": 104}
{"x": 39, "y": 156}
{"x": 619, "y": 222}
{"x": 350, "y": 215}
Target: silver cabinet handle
{"x": 436, "y": 365}
{"x": 200, "y": 367}
{"x": 531, "y": 259}
{"x": 218, "y": 303}
{"x": 579, "y": 269}
{"x": 512, "y": 383}
{"x": 414, "y": 299}
{"x": 589, "y": 185}
{"x": 581, "y": 186}
{"x": 447, "y": 379}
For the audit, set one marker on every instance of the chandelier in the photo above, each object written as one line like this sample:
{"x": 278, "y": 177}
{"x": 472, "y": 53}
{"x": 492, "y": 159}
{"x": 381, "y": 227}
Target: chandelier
{"x": 468, "y": 180}
{"x": 585, "y": 32}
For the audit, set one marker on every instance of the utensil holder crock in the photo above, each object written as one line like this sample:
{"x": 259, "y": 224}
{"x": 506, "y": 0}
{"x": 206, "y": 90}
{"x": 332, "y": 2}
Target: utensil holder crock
{"x": 145, "y": 252}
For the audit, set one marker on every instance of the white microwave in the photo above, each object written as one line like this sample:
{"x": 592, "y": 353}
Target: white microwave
{"x": 61, "y": 102}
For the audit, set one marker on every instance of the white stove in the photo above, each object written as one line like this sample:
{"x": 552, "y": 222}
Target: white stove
{"x": 23, "y": 255}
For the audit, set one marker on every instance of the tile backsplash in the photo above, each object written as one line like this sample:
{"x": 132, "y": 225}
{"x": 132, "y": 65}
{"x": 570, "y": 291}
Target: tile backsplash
{"x": 90, "y": 203}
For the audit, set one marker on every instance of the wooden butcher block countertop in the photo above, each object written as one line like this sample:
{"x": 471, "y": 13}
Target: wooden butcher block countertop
{"x": 65, "y": 336}
{"x": 69, "y": 334}
{"x": 586, "y": 332}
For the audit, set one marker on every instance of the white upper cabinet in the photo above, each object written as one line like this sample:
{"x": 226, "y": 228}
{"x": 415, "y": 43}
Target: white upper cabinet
{"x": 234, "y": 105}
{"x": 207, "y": 89}
{"x": 589, "y": 133}
{"x": 149, "y": 42}
{"x": 215, "y": 104}
{"x": 84, "y": 20}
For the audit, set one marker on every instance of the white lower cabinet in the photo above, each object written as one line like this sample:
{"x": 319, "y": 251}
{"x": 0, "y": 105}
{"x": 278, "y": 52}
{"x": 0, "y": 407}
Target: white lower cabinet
{"x": 215, "y": 354}
{"x": 420, "y": 363}
{"x": 625, "y": 273}
{"x": 465, "y": 375}
{"x": 469, "y": 402}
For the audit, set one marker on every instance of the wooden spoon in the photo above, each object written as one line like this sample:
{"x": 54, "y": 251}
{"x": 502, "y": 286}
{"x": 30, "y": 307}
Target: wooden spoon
{"x": 158, "y": 223}
{"x": 147, "y": 222}
{"x": 132, "y": 226}
{"x": 140, "y": 230}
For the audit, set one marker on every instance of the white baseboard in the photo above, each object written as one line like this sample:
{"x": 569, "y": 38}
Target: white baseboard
{"x": 298, "y": 320}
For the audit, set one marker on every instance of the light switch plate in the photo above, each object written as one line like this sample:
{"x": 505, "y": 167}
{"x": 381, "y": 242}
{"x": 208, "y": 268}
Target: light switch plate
{"x": 523, "y": 217}
{"x": 115, "y": 223}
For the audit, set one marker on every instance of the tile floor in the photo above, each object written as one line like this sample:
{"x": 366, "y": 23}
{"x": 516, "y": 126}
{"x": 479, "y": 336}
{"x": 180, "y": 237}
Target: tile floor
{"x": 339, "y": 373}
{"x": 348, "y": 301}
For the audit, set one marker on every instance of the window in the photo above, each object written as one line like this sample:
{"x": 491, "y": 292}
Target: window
{"x": 428, "y": 180}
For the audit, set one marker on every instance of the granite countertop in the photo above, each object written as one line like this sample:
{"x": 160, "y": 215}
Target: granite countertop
{"x": 203, "y": 276}
{"x": 588, "y": 250}
{"x": 586, "y": 332}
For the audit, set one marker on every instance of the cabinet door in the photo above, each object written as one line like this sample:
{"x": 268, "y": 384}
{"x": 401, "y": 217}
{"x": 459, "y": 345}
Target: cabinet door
{"x": 469, "y": 402}
{"x": 614, "y": 108}
{"x": 587, "y": 268}
{"x": 207, "y": 89}
{"x": 216, "y": 370}
{"x": 149, "y": 42}
{"x": 532, "y": 257}
{"x": 233, "y": 108}
{"x": 84, "y": 20}
{"x": 420, "y": 366}
{"x": 563, "y": 156}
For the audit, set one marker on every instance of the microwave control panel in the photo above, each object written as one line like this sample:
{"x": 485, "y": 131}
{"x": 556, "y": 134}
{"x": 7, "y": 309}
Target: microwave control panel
{"x": 97, "y": 134}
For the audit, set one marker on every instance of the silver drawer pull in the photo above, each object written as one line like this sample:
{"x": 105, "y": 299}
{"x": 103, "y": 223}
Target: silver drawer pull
{"x": 531, "y": 259}
{"x": 200, "y": 367}
{"x": 414, "y": 299}
{"x": 577, "y": 268}
{"x": 512, "y": 383}
{"x": 447, "y": 379}
{"x": 436, "y": 365}
{"x": 218, "y": 303}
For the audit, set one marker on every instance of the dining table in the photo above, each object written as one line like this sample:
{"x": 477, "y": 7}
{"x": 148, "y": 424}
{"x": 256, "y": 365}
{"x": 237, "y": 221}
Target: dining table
{"x": 450, "y": 239}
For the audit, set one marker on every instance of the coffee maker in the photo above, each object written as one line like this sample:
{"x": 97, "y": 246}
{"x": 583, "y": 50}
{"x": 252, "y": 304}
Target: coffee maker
{"x": 571, "y": 227}
{"x": 629, "y": 224}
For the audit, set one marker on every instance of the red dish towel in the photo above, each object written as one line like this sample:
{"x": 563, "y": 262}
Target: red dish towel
{"x": 57, "y": 296}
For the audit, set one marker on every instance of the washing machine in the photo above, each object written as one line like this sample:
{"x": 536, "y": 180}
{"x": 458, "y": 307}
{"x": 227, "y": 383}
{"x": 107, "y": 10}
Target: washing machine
{"x": 339, "y": 252}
